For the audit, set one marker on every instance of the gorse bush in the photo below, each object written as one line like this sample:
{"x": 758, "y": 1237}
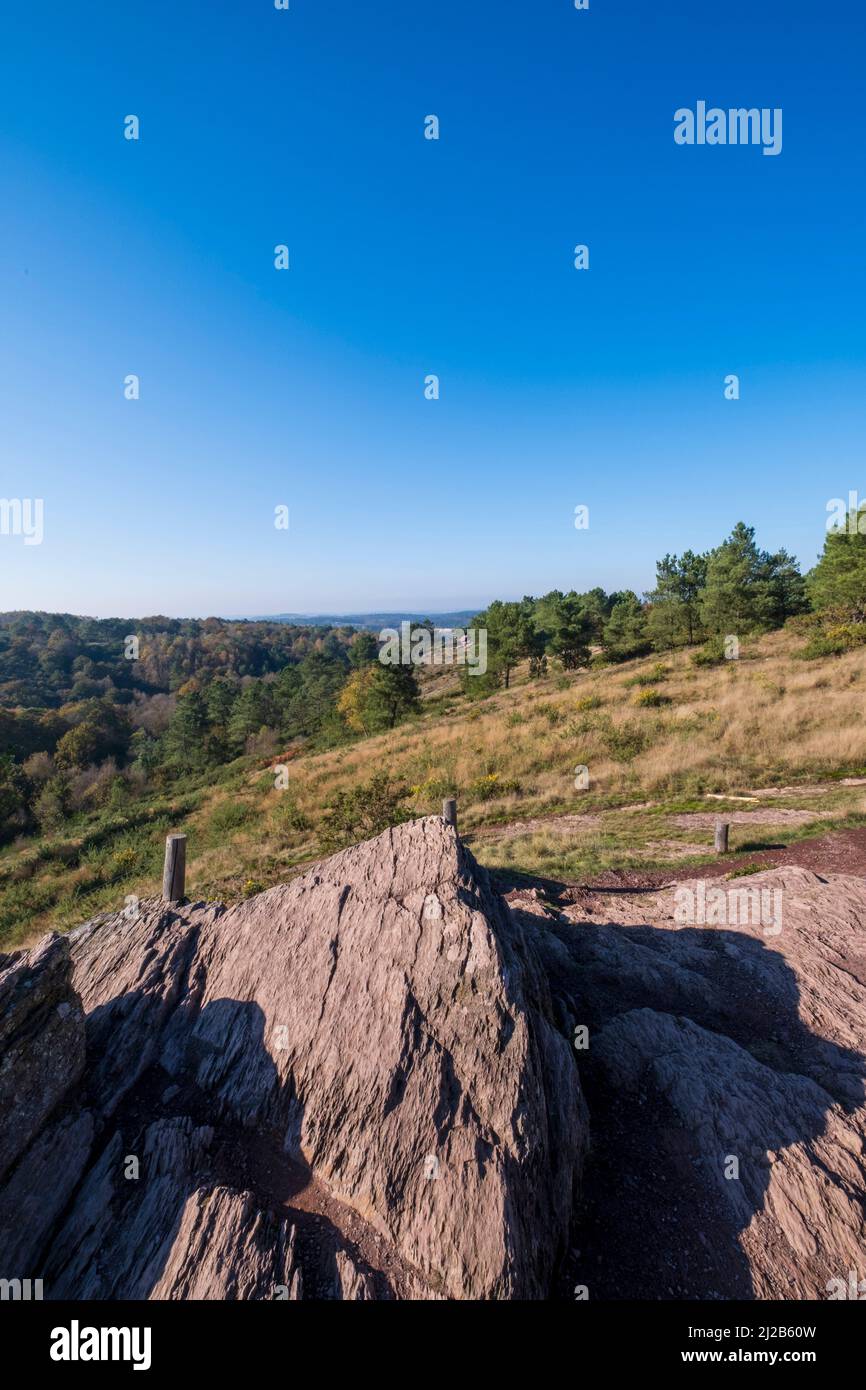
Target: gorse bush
{"x": 123, "y": 863}
{"x": 650, "y": 699}
{"x": 432, "y": 789}
{"x": 656, "y": 673}
{"x": 834, "y": 640}
{"x": 491, "y": 785}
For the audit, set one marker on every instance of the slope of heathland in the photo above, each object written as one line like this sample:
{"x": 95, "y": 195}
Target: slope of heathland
{"x": 563, "y": 775}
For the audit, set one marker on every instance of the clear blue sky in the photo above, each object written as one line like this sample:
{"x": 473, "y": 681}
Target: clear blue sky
{"x": 410, "y": 257}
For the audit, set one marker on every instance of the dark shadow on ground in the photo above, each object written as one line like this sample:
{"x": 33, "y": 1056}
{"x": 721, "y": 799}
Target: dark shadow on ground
{"x": 652, "y": 1223}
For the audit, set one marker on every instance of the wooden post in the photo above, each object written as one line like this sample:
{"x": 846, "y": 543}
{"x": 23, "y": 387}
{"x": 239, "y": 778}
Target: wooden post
{"x": 721, "y": 837}
{"x": 449, "y": 811}
{"x": 174, "y": 870}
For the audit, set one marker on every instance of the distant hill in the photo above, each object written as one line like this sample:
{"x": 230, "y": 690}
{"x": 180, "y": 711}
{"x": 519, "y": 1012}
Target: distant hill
{"x": 370, "y": 621}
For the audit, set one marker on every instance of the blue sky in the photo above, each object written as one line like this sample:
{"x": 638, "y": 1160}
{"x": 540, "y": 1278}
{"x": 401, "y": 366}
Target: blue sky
{"x": 409, "y": 257}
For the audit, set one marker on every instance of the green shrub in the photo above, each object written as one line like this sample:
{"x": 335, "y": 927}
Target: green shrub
{"x": 834, "y": 640}
{"x": 288, "y": 815}
{"x": 124, "y": 862}
{"x": 712, "y": 653}
{"x": 554, "y": 714}
{"x": 365, "y": 811}
{"x": 650, "y": 699}
{"x": 492, "y": 785}
{"x": 21, "y": 901}
{"x": 658, "y": 672}
{"x": 432, "y": 789}
{"x": 229, "y": 815}
{"x": 625, "y": 742}
{"x": 52, "y": 805}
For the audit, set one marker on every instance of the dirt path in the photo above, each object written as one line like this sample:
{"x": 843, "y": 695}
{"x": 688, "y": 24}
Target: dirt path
{"x": 553, "y": 825}
{"x": 837, "y": 852}
{"x": 764, "y": 816}
{"x": 571, "y": 822}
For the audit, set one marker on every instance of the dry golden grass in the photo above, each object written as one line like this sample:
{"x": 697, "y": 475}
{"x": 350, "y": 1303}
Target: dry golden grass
{"x": 726, "y": 728}
{"x": 765, "y": 720}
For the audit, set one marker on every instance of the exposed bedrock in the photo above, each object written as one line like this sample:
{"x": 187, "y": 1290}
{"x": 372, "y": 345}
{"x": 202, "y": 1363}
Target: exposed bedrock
{"x": 349, "y": 1086}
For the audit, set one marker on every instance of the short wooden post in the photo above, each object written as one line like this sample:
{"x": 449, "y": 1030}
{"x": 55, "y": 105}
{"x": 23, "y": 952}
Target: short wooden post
{"x": 174, "y": 871}
{"x": 722, "y": 828}
{"x": 449, "y": 811}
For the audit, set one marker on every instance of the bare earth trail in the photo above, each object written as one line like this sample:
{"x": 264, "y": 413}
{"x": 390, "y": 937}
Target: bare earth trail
{"x": 838, "y": 851}
{"x": 572, "y": 823}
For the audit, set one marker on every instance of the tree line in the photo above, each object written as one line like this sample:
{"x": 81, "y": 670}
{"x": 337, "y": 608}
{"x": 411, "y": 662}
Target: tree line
{"x": 108, "y": 748}
{"x": 735, "y": 589}
{"x": 83, "y": 726}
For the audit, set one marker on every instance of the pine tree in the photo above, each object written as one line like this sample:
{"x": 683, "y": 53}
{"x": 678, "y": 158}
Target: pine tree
{"x": 838, "y": 581}
{"x": 363, "y": 650}
{"x": 184, "y": 739}
{"x": 511, "y": 638}
{"x": 625, "y": 632}
{"x": 731, "y": 600}
{"x": 674, "y": 617}
{"x": 691, "y": 581}
{"x": 393, "y": 694}
{"x": 784, "y": 589}
{"x": 567, "y": 629}
{"x": 748, "y": 588}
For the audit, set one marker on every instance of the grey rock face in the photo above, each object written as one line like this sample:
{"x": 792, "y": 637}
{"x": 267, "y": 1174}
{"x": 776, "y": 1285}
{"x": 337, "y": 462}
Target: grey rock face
{"x": 350, "y": 1086}
{"x": 41, "y": 1041}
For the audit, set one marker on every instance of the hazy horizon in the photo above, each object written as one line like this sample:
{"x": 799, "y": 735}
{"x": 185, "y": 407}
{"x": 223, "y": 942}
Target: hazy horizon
{"x": 276, "y": 615}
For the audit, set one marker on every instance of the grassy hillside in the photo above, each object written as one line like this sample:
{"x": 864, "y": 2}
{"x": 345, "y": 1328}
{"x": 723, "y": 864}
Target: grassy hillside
{"x": 665, "y": 742}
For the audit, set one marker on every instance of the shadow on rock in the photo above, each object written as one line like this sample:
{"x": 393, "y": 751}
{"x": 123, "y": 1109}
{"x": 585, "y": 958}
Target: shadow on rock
{"x": 725, "y": 1151}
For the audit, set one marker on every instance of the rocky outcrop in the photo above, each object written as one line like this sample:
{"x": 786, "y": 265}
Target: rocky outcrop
{"x": 726, "y": 1076}
{"x": 780, "y": 1160}
{"x": 41, "y": 1042}
{"x": 350, "y": 1086}
{"x": 363, "y": 1085}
